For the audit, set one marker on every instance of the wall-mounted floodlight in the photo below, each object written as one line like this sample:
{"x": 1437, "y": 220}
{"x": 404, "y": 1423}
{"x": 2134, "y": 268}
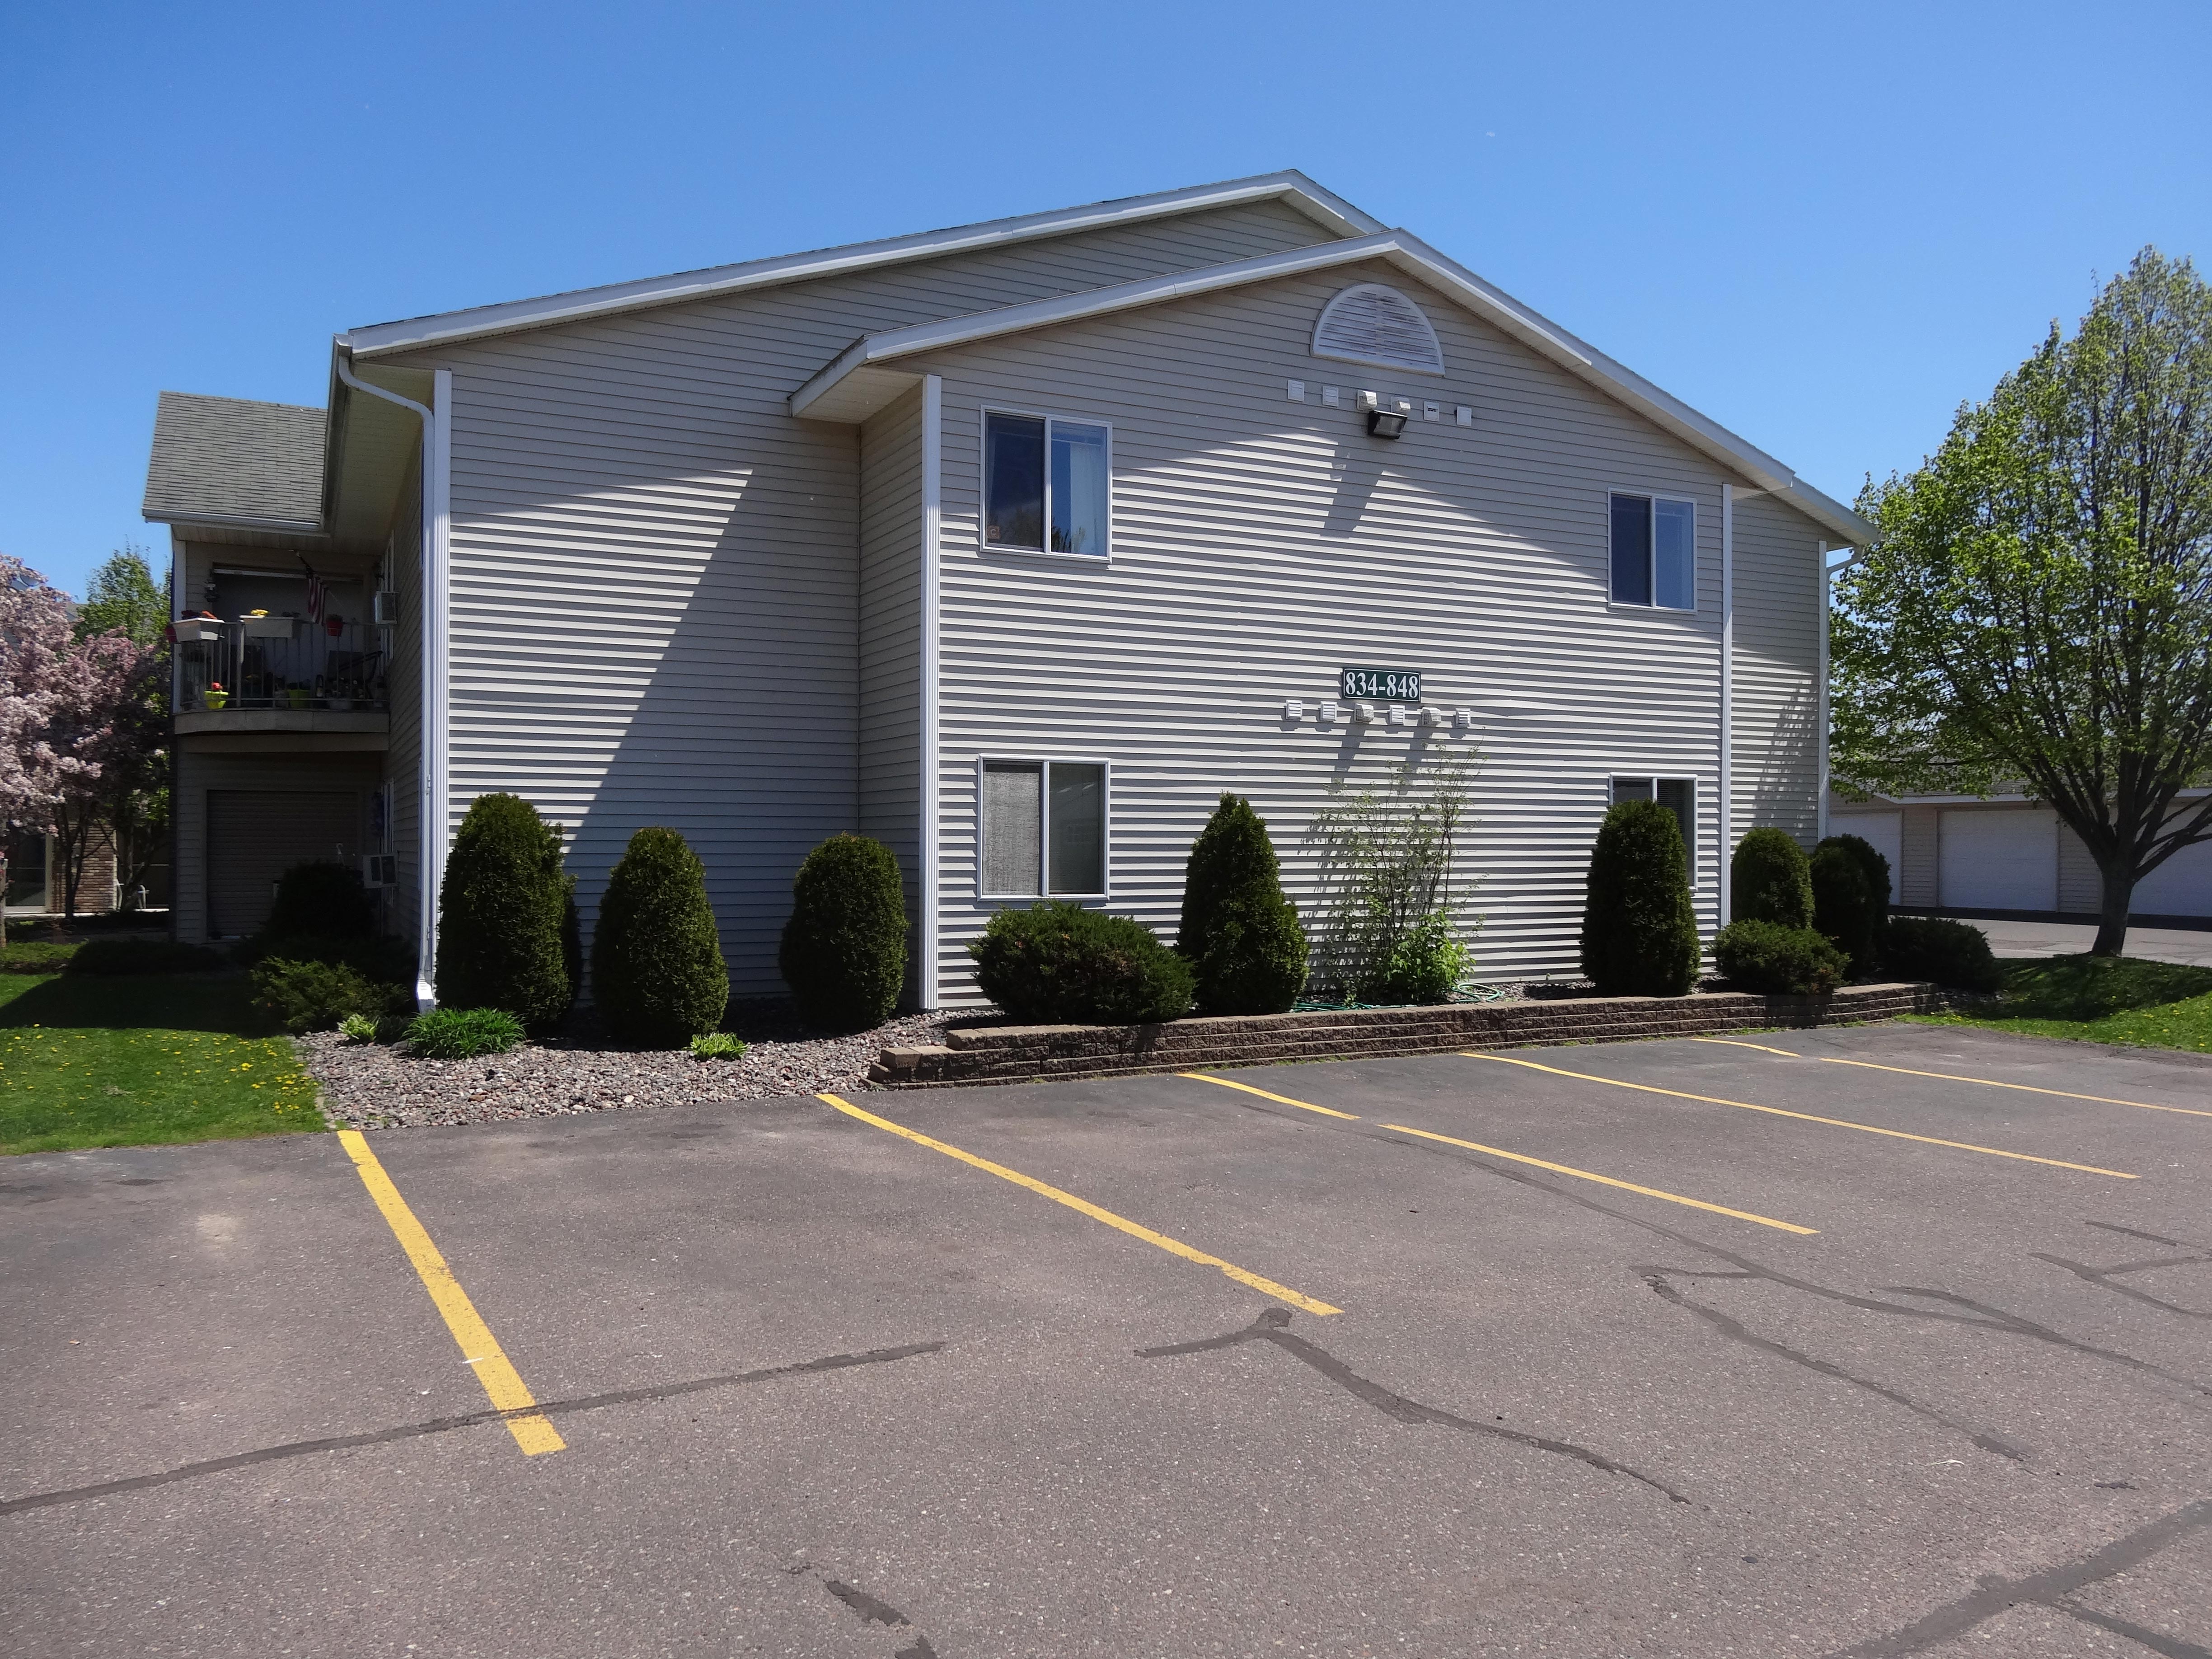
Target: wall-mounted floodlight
{"x": 1389, "y": 422}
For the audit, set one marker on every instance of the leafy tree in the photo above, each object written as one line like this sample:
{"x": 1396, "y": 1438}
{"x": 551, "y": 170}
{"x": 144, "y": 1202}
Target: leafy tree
{"x": 2036, "y": 610}
{"x": 123, "y": 598}
{"x": 132, "y": 801}
{"x": 1240, "y": 935}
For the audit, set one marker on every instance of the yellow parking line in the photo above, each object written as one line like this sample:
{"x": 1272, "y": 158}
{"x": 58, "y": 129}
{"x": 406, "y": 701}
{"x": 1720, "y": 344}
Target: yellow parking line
{"x": 1605, "y": 1181}
{"x": 1303, "y": 1105}
{"x": 1809, "y": 1117}
{"x": 532, "y": 1430}
{"x": 1956, "y": 1077}
{"x": 1172, "y": 1246}
{"x": 1730, "y": 1042}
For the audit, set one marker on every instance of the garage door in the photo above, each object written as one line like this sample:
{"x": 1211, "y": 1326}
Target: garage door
{"x": 2182, "y": 886}
{"x": 2001, "y": 859}
{"x": 253, "y": 836}
{"x": 1883, "y": 831}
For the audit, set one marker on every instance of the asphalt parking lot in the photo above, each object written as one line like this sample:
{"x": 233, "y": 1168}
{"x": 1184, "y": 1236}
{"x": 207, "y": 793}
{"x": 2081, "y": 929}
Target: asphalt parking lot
{"x": 1680, "y": 1348}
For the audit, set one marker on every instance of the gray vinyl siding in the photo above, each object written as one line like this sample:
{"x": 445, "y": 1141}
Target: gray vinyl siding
{"x": 890, "y": 635}
{"x": 2080, "y": 885}
{"x": 1778, "y": 646}
{"x": 1259, "y": 545}
{"x": 655, "y": 585}
{"x": 283, "y": 774}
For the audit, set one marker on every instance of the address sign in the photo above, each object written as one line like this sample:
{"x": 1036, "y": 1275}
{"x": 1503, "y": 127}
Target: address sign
{"x": 1391, "y": 684}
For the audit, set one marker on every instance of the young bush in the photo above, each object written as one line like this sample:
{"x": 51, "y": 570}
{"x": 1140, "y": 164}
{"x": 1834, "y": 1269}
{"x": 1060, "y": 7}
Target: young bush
{"x": 1844, "y": 908}
{"x": 323, "y": 899}
{"x": 1948, "y": 952}
{"x": 657, "y": 970}
{"x": 1771, "y": 879}
{"x": 314, "y": 996}
{"x": 1061, "y": 965}
{"x": 843, "y": 952}
{"x": 1639, "y": 932}
{"x": 717, "y": 1045}
{"x": 358, "y": 1028}
{"x": 1426, "y": 966}
{"x": 1240, "y": 935}
{"x": 387, "y": 960}
{"x": 502, "y": 907}
{"x": 1387, "y": 854}
{"x": 463, "y": 1033}
{"x": 1778, "y": 961}
{"x": 142, "y": 956}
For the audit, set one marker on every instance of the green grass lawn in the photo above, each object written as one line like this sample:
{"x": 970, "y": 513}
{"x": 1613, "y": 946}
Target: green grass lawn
{"x": 2152, "y": 1005}
{"x": 133, "y": 1061}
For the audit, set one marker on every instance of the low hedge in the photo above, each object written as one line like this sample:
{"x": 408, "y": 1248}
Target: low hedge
{"x": 317, "y": 996}
{"x": 1948, "y": 952}
{"x": 1769, "y": 959}
{"x": 1058, "y": 964}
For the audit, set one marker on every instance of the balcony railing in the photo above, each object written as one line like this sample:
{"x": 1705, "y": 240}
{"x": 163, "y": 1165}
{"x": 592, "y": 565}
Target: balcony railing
{"x": 279, "y": 662}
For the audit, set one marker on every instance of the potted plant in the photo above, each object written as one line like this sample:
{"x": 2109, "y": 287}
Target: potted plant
{"x": 215, "y": 696}
{"x": 296, "y": 695}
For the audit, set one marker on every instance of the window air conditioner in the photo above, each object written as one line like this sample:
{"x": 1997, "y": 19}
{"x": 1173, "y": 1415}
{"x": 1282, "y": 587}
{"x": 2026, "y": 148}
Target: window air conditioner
{"x": 380, "y": 869}
{"x": 385, "y": 607}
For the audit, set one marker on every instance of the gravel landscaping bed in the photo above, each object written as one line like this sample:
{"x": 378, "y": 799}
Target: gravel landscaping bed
{"x": 373, "y": 1086}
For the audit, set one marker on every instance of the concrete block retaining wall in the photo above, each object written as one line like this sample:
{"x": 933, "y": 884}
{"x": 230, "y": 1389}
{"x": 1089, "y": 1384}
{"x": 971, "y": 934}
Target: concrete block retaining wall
{"x": 1031, "y": 1053}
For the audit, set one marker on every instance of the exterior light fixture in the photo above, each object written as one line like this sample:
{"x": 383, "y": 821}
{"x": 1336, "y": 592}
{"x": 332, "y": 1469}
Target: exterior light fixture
{"x": 1389, "y": 422}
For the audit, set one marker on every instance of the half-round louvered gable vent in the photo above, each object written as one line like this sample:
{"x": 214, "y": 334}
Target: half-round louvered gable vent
{"x": 1372, "y": 323}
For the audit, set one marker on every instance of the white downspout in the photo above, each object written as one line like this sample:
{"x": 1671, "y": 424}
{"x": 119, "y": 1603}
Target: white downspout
{"x": 932, "y": 514}
{"x": 433, "y": 730}
{"x": 1727, "y": 813}
{"x": 1820, "y": 823}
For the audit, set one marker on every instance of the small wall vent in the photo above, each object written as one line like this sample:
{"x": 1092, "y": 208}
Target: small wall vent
{"x": 1373, "y": 324}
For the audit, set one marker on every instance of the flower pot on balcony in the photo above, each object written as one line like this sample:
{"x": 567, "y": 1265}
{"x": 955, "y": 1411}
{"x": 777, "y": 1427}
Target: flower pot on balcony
{"x": 215, "y": 697}
{"x": 269, "y": 628}
{"x": 296, "y": 695}
{"x": 195, "y": 630}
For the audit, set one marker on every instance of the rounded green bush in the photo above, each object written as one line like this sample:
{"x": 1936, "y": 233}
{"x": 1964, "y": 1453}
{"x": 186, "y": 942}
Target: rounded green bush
{"x": 316, "y": 996}
{"x": 1948, "y": 952}
{"x": 1639, "y": 930}
{"x": 322, "y": 898}
{"x": 657, "y": 970}
{"x": 843, "y": 952}
{"x": 1423, "y": 967}
{"x": 1059, "y": 964}
{"x": 1770, "y": 880}
{"x": 1844, "y": 907}
{"x": 1772, "y": 959}
{"x": 463, "y": 1033}
{"x": 1240, "y": 935}
{"x": 500, "y": 910}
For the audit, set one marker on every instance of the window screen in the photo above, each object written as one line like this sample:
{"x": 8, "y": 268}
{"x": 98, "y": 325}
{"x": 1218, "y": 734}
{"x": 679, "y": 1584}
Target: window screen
{"x": 1077, "y": 828}
{"x": 1013, "y": 481}
{"x": 1012, "y": 825}
{"x": 1631, "y": 549}
{"x": 1078, "y": 488}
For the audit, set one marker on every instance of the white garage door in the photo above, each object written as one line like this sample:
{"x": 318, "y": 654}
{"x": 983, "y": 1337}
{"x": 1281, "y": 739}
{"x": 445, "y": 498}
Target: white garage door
{"x": 2005, "y": 859}
{"x": 1883, "y": 831}
{"x": 2182, "y": 886}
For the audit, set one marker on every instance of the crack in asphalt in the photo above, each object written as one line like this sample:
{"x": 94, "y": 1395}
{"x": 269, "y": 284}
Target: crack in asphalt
{"x": 2103, "y": 1278}
{"x": 2051, "y": 1589}
{"x": 835, "y": 1362}
{"x": 1270, "y": 1327}
{"x": 1655, "y": 1278}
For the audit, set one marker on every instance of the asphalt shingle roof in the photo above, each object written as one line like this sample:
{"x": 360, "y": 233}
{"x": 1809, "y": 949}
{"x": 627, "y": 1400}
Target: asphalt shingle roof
{"x": 230, "y": 458}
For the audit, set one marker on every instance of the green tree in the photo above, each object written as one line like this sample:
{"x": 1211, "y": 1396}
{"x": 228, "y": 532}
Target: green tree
{"x": 2036, "y": 610}
{"x": 132, "y": 801}
{"x": 1240, "y": 935}
{"x": 123, "y": 598}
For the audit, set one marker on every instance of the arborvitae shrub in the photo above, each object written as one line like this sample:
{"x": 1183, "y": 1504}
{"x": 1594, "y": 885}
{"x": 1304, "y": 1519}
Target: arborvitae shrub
{"x": 1778, "y": 961}
{"x": 1639, "y": 932}
{"x": 657, "y": 970}
{"x": 843, "y": 952}
{"x": 1240, "y": 935}
{"x": 1948, "y": 952}
{"x": 1844, "y": 908}
{"x": 500, "y": 911}
{"x": 314, "y": 996}
{"x": 1059, "y": 964}
{"x": 1770, "y": 880}
{"x": 1875, "y": 868}
{"x": 324, "y": 899}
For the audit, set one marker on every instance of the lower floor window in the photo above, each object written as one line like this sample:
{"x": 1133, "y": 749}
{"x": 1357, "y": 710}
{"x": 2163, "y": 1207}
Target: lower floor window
{"x": 1678, "y": 795}
{"x": 1043, "y": 829}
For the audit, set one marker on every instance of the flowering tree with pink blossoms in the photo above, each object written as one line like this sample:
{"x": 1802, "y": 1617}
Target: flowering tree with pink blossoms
{"x": 79, "y": 719}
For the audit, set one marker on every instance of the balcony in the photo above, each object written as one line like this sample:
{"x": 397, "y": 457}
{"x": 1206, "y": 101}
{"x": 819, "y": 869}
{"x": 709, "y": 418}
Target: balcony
{"x": 279, "y": 674}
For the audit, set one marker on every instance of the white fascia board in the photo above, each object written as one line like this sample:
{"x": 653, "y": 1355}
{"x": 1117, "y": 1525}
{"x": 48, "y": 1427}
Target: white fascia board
{"x": 1294, "y": 188}
{"x": 186, "y": 521}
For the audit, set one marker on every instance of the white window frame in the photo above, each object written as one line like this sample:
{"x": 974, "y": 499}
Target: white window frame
{"x": 1691, "y": 841}
{"x": 1652, "y": 498}
{"x": 983, "y": 483}
{"x": 1044, "y": 820}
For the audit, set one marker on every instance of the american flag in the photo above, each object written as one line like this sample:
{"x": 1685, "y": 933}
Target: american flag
{"x": 315, "y": 595}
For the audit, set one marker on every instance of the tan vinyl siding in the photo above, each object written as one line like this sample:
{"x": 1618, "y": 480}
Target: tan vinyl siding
{"x": 2081, "y": 887}
{"x": 1778, "y": 643}
{"x": 1259, "y": 545}
{"x": 655, "y": 594}
{"x": 1920, "y": 882}
{"x": 891, "y": 635}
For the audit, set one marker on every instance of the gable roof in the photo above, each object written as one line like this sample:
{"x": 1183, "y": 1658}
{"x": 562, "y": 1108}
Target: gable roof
{"x": 1291, "y": 188}
{"x": 866, "y": 374}
{"x": 231, "y": 461}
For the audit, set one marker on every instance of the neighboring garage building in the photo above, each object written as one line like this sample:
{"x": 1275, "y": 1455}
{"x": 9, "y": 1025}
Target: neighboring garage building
{"x": 2011, "y": 857}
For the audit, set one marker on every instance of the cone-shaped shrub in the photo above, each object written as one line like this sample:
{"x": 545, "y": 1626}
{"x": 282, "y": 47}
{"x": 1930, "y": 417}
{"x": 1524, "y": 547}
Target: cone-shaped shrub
{"x": 1769, "y": 880}
{"x": 1639, "y": 932}
{"x": 500, "y": 912}
{"x": 843, "y": 952}
{"x": 1875, "y": 868}
{"x": 1240, "y": 935}
{"x": 657, "y": 971}
{"x": 1844, "y": 908}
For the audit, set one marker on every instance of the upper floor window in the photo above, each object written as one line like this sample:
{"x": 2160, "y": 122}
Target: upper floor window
{"x": 1654, "y": 552}
{"x": 1373, "y": 324}
{"x": 1045, "y": 485}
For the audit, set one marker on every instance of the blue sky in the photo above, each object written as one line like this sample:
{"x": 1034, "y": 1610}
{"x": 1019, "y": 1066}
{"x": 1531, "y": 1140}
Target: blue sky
{"x": 1824, "y": 226}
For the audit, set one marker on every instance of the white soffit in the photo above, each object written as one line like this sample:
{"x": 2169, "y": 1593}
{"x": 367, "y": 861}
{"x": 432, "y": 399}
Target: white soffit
{"x": 1294, "y": 189}
{"x": 867, "y": 374}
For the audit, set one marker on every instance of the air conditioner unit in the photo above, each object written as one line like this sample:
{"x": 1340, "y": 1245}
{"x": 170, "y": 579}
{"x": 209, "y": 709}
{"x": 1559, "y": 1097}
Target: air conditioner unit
{"x": 384, "y": 607}
{"x": 380, "y": 869}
